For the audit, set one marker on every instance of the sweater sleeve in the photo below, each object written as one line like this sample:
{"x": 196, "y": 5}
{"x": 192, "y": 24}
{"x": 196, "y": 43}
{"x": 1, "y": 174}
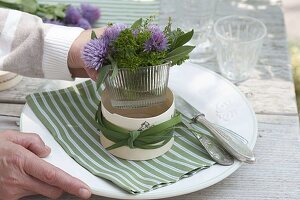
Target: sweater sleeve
{"x": 31, "y": 48}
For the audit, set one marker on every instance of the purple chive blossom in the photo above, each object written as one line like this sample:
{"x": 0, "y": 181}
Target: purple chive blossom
{"x": 72, "y": 15}
{"x": 135, "y": 32}
{"x": 153, "y": 28}
{"x": 83, "y": 23}
{"x": 52, "y": 21}
{"x": 89, "y": 12}
{"x": 111, "y": 33}
{"x": 158, "y": 40}
{"x": 94, "y": 53}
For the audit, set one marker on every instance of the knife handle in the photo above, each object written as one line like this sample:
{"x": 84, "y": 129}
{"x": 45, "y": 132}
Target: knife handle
{"x": 218, "y": 154}
{"x": 233, "y": 145}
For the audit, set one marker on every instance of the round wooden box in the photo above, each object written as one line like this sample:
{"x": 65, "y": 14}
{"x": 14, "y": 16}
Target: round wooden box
{"x": 135, "y": 119}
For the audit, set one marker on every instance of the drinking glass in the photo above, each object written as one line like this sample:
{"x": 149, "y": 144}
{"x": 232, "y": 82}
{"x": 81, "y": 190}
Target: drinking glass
{"x": 238, "y": 41}
{"x": 197, "y": 15}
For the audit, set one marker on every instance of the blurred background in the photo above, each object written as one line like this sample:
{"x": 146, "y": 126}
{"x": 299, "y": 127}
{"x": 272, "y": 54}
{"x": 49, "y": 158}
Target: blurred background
{"x": 291, "y": 9}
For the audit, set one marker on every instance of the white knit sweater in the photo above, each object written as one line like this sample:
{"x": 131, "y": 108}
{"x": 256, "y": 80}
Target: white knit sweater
{"x": 31, "y": 48}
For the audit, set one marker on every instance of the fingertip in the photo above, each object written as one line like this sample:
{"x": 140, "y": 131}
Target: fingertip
{"x": 84, "y": 193}
{"x": 92, "y": 73}
{"x": 48, "y": 149}
{"x": 45, "y": 152}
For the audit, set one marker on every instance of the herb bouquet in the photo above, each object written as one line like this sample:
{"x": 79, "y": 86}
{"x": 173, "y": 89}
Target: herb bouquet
{"x": 134, "y": 61}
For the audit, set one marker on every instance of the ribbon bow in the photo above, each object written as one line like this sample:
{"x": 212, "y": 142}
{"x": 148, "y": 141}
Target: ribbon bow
{"x": 133, "y": 135}
{"x": 151, "y": 138}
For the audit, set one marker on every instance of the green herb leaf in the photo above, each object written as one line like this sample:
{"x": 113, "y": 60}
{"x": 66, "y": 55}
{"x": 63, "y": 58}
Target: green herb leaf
{"x": 167, "y": 29}
{"x": 172, "y": 38}
{"x": 103, "y": 72}
{"x": 114, "y": 66}
{"x": 147, "y": 22}
{"x": 179, "y": 53}
{"x": 181, "y": 50}
{"x": 137, "y": 23}
{"x": 93, "y": 35}
{"x": 115, "y": 71}
{"x": 183, "y": 39}
{"x": 179, "y": 60}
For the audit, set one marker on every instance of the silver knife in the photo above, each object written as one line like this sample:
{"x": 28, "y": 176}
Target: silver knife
{"x": 233, "y": 145}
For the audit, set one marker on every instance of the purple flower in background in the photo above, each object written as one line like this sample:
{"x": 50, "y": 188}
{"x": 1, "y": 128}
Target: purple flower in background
{"x": 111, "y": 33}
{"x": 95, "y": 52}
{"x": 82, "y": 17}
{"x": 52, "y": 21}
{"x": 158, "y": 40}
{"x": 83, "y": 23}
{"x": 90, "y": 13}
{"x": 72, "y": 15}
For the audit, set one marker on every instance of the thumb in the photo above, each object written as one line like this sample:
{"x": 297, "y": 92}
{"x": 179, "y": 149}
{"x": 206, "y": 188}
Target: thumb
{"x": 93, "y": 74}
{"x": 30, "y": 141}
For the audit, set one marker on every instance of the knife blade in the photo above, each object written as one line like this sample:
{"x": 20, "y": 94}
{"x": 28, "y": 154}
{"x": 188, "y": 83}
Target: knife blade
{"x": 233, "y": 145}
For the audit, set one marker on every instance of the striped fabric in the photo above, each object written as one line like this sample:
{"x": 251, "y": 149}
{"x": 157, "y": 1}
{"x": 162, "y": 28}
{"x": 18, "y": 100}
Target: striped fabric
{"x": 118, "y": 11}
{"x": 68, "y": 114}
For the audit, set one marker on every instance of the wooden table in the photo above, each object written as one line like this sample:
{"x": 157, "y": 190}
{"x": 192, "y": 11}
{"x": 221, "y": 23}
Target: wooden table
{"x": 276, "y": 175}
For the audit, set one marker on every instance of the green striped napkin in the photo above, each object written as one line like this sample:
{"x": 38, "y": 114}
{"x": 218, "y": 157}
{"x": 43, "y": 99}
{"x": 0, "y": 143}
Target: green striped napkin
{"x": 69, "y": 113}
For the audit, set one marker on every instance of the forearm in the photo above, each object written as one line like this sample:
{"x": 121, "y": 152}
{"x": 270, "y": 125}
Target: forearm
{"x": 31, "y": 48}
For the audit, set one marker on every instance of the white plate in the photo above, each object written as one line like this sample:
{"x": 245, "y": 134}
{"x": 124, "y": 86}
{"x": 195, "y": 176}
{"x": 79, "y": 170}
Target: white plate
{"x": 213, "y": 95}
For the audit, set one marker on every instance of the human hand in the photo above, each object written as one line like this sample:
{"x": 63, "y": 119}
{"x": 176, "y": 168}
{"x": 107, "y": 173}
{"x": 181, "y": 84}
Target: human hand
{"x": 24, "y": 173}
{"x": 75, "y": 63}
